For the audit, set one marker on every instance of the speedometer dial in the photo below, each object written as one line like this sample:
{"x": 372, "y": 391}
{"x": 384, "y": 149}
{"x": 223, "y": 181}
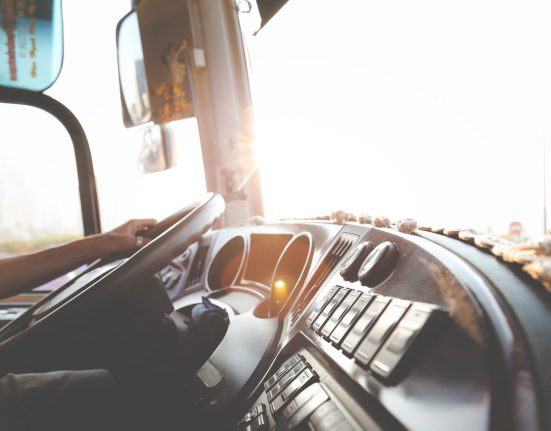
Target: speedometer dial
{"x": 227, "y": 264}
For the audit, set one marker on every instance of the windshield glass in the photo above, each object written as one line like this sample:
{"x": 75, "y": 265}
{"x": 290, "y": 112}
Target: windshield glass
{"x": 88, "y": 86}
{"x": 434, "y": 110}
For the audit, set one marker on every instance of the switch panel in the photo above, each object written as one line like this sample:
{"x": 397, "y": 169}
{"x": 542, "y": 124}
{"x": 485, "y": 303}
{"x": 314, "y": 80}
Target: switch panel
{"x": 251, "y": 422}
{"x": 321, "y": 305}
{"x": 417, "y": 319}
{"x": 364, "y": 324}
{"x": 169, "y": 276}
{"x": 350, "y": 318}
{"x": 260, "y": 423}
{"x": 328, "y": 417}
{"x": 329, "y": 308}
{"x": 303, "y": 379}
{"x": 290, "y": 375}
{"x": 380, "y": 331}
{"x": 302, "y": 406}
{"x": 306, "y": 402}
{"x": 287, "y": 365}
{"x": 335, "y": 319}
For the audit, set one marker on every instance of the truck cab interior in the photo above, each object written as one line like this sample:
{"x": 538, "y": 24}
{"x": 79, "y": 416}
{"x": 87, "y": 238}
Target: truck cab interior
{"x": 352, "y": 204}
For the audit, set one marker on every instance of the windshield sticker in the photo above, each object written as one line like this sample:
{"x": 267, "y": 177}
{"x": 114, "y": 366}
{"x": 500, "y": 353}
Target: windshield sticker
{"x": 18, "y": 17}
{"x": 9, "y": 27}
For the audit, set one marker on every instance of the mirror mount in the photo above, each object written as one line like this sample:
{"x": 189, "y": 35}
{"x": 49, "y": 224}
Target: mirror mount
{"x": 158, "y": 151}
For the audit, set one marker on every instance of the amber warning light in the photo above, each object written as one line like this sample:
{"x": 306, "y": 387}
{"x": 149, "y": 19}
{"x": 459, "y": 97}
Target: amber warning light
{"x": 278, "y": 296}
{"x": 279, "y": 291}
{"x": 280, "y": 285}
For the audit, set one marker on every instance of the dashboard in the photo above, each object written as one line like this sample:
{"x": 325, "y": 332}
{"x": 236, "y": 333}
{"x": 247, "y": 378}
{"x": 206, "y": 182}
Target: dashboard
{"x": 350, "y": 326}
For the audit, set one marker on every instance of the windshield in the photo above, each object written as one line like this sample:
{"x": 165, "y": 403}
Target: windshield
{"x": 88, "y": 86}
{"x": 434, "y": 110}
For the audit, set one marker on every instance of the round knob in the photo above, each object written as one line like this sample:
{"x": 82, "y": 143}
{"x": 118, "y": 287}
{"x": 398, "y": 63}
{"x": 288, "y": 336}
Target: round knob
{"x": 351, "y": 265}
{"x": 379, "y": 264}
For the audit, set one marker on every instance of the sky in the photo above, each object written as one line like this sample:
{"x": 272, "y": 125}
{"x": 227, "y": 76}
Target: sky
{"x": 428, "y": 109}
{"x": 435, "y": 110}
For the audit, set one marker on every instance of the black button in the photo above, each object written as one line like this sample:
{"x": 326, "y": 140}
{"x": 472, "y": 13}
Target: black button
{"x": 400, "y": 340}
{"x": 252, "y": 414}
{"x": 339, "y": 313}
{"x": 321, "y": 305}
{"x": 329, "y": 308}
{"x": 350, "y": 318}
{"x": 322, "y": 411}
{"x": 329, "y": 421}
{"x": 417, "y": 319}
{"x": 291, "y": 409}
{"x": 296, "y": 384}
{"x": 290, "y": 375}
{"x": 364, "y": 323}
{"x": 259, "y": 424}
{"x": 291, "y": 390}
{"x": 380, "y": 331}
{"x": 309, "y": 400}
{"x": 290, "y": 363}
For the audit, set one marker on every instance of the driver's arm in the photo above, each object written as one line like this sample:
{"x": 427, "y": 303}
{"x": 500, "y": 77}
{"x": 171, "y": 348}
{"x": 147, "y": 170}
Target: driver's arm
{"x": 21, "y": 273}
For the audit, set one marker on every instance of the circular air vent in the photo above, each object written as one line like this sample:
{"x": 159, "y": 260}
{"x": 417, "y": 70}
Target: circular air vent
{"x": 350, "y": 267}
{"x": 379, "y": 264}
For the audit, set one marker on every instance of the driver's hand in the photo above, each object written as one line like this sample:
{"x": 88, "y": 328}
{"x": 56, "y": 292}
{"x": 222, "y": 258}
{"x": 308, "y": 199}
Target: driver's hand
{"x": 124, "y": 238}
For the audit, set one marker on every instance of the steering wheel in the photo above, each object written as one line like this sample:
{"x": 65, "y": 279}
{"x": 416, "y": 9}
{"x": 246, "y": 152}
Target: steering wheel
{"x": 94, "y": 290}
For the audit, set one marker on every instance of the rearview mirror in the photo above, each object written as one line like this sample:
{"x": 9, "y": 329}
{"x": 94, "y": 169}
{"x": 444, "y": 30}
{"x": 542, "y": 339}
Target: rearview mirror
{"x": 132, "y": 79}
{"x": 154, "y": 54}
{"x": 158, "y": 151}
{"x": 31, "y": 37}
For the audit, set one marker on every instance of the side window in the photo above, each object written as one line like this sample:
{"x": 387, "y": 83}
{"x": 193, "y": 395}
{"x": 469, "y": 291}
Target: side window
{"x": 39, "y": 195}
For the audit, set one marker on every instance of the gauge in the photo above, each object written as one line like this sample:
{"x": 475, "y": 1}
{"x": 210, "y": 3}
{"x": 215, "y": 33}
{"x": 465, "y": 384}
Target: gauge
{"x": 291, "y": 270}
{"x": 351, "y": 265}
{"x": 379, "y": 264}
{"x": 227, "y": 264}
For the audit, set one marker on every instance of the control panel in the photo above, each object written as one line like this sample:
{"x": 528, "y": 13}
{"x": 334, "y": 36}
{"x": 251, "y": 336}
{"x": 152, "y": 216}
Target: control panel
{"x": 295, "y": 396}
{"x": 377, "y": 331}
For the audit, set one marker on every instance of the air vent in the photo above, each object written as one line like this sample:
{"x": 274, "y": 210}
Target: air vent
{"x": 324, "y": 270}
